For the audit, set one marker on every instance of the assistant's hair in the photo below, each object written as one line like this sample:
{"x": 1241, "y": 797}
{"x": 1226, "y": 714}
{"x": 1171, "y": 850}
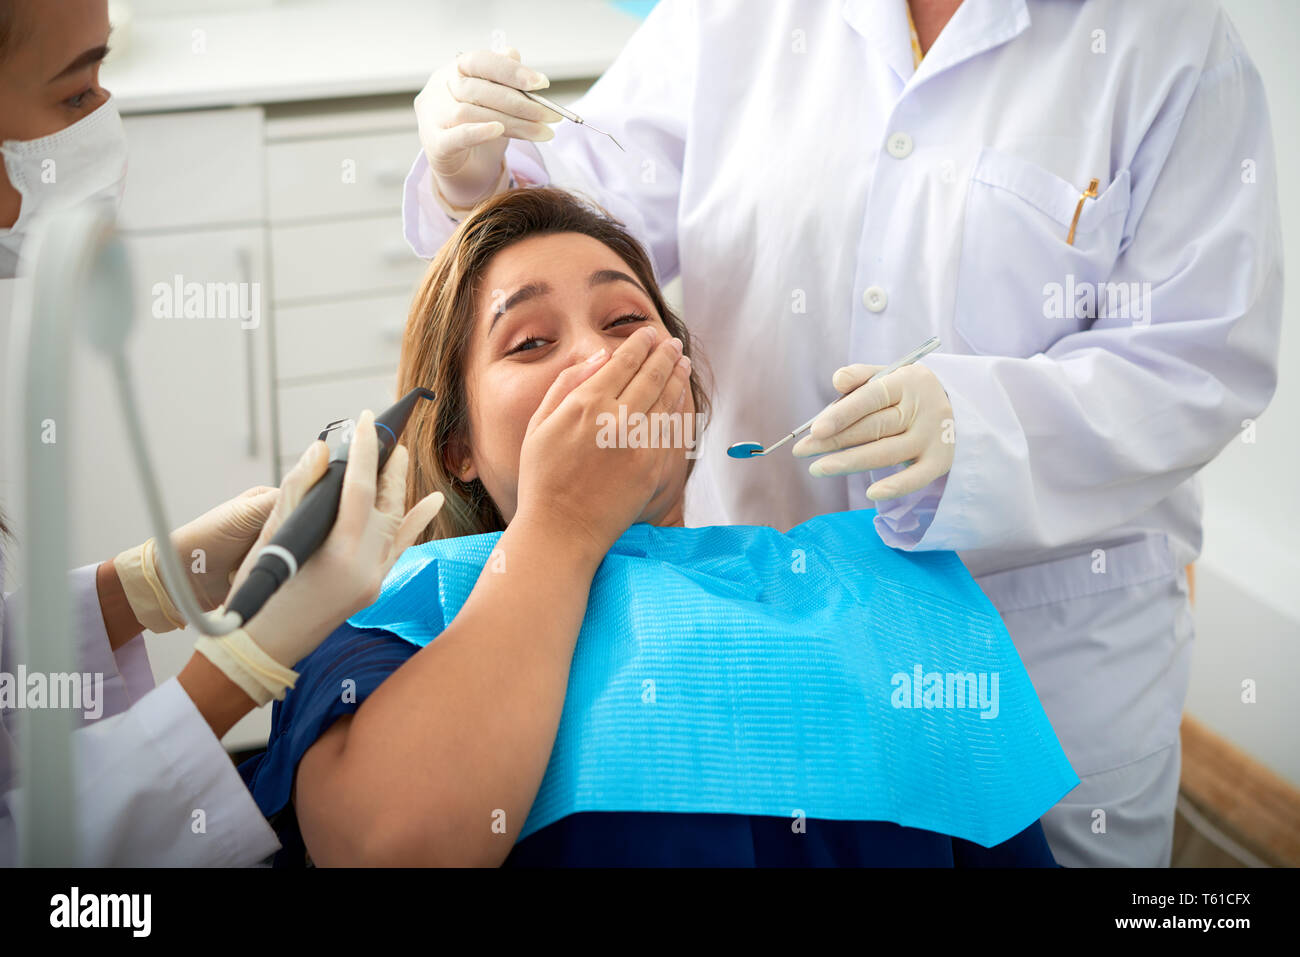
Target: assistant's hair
{"x": 442, "y": 318}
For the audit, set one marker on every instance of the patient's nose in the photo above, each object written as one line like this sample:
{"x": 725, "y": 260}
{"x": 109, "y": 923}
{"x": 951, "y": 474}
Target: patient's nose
{"x": 584, "y": 344}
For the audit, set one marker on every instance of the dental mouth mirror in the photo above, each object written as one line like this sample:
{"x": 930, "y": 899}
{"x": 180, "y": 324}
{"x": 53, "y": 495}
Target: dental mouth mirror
{"x": 752, "y": 450}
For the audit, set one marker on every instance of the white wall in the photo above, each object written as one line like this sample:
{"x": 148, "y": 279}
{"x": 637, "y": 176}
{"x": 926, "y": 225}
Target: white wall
{"x": 1248, "y": 576}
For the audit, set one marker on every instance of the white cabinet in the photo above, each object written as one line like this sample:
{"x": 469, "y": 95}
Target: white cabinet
{"x": 343, "y": 276}
{"x": 316, "y": 175}
{"x": 357, "y": 257}
{"x": 328, "y": 339}
{"x": 201, "y": 371}
{"x": 202, "y": 386}
{"x": 193, "y": 218}
{"x": 194, "y": 170}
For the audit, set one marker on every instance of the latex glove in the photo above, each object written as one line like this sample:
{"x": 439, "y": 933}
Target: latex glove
{"x": 223, "y": 535}
{"x": 344, "y": 575}
{"x": 902, "y": 417}
{"x": 467, "y": 113}
{"x": 210, "y": 549}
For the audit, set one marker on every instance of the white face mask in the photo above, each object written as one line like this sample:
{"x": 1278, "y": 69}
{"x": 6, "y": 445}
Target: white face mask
{"x": 81, "y": 163}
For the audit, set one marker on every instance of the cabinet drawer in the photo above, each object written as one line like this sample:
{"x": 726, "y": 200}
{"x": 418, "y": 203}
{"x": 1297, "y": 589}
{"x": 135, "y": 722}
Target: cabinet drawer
{"x": 306, "y": 409}
{"x": 341, "y": 175}
{"x": 339, "y": 259}
{"x": 193, "y": 169}
{"x": 339, "y": 337}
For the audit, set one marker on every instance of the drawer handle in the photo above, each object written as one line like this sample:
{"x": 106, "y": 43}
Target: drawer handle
{"x": 245, "y": 265}
{"x": 392, "y": 331}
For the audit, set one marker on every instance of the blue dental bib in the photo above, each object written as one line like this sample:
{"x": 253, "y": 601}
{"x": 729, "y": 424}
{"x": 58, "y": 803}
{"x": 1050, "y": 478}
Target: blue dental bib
{"x": 738, "y": 670}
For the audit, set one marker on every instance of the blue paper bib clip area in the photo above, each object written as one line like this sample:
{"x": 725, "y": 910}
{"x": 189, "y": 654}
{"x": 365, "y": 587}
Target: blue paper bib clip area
{"x": 738, "y": 670}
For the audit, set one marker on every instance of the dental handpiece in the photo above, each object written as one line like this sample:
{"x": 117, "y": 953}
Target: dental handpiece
{"x": 309, "y": 524}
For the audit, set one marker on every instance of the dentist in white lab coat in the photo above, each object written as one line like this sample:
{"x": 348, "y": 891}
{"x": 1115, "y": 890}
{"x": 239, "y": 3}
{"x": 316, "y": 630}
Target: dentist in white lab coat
{"x": 1079, "y": 198}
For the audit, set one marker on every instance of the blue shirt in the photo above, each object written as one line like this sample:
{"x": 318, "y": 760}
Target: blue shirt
{"x": 367, "y": 657}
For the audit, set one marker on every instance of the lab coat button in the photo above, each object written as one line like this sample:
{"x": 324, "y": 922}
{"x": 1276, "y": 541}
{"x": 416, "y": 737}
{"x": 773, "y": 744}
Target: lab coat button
{"x": 875, "y": 299}
{"x": 899, "y": 145}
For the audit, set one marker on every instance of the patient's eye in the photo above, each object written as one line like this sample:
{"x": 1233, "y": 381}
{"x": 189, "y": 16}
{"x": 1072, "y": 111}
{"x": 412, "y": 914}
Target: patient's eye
{"x": 533, "y": 343}
{"x": 630, "y": 317}
{"x": 523, "y": 345}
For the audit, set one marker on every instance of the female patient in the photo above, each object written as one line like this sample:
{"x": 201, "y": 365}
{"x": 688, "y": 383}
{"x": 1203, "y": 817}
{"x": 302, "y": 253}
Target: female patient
{"x": 539, "y": 315}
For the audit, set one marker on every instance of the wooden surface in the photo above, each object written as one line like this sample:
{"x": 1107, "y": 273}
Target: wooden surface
{"x": 1245, "y": 800}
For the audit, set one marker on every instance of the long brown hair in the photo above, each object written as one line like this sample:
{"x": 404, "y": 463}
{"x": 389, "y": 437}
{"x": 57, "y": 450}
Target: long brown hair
{"x": 442, "y": 319}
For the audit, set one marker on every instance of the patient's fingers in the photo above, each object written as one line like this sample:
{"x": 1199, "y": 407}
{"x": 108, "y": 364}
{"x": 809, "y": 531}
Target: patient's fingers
{"x": 625, "y": 363}
{"x": 678, "y": 429}
{"x": 566, "y": 382}
{"x": 652, "y": 378}
{"x": 674, "y": 393}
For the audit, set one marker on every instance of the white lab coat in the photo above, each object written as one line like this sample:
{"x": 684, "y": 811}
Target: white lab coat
{"x": 824, "y": 204}
{"x": 142, "y": 769}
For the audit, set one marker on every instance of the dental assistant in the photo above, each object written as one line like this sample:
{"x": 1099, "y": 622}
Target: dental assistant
{"x": 145, "y": 757}
{"x": 154, "y": 786}
{"x": 1078, "y": 198}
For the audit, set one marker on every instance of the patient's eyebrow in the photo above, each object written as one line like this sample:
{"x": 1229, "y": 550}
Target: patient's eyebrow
{"x": 602, "y": 276}
{"x": 534, "y": 289}
{"x": 525, "y": 292}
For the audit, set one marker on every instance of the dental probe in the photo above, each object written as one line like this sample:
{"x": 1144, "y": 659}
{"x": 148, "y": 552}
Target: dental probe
{"x": 568, "y": 115}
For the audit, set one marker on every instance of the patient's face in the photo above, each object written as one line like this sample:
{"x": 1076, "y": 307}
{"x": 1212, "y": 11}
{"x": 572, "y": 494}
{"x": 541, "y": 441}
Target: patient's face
{"x": 511, "y": 363}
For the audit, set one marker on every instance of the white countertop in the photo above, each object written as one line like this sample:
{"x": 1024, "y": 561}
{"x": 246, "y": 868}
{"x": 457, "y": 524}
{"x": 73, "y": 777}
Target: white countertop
{"x": 319, "y": 49}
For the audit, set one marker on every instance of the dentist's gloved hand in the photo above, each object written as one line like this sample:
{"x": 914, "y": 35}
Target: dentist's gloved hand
{"x": 210, "y": 550}
{"x": 467, "y": 113}
{"x": 902, "y": 417}
{"x": 343, "y": 576}
{"x": 340, "y": 578}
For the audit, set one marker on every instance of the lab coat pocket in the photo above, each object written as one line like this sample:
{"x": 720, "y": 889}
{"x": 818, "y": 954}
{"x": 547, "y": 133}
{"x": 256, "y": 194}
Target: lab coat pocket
{"x": 1020, "y": 286}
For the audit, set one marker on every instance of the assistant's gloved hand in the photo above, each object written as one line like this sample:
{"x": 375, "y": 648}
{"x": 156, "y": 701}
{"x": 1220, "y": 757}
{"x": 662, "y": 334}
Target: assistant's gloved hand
{"x": 467, "y": 113}
{"x": 902, "y": 417}
{"x": 210, "y": 550}
{"x": 343, "y": 576}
